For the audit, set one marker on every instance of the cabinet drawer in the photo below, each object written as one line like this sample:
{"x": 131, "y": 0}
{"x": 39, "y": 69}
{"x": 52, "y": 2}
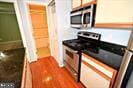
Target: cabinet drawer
{"x": 39, "y": 33}
{"x": 101, "y": 67}
{"x": 38, "y": 20}
{"x": 91, "y": 79}
{"x": 42, "y": 42}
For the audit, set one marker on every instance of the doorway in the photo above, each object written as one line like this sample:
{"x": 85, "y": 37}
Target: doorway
{"x": 38, "y": 17}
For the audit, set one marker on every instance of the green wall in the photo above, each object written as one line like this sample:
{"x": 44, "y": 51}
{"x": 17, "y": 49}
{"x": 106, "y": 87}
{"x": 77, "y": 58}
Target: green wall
{"x": 9, "y": 29}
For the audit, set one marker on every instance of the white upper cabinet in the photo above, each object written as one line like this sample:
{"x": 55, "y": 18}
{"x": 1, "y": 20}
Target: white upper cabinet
{"x": 76, "y": 4}
{"x": 81, "y": 3}
{"x": 114, "y": 13}
{"x": 87, "y": 1}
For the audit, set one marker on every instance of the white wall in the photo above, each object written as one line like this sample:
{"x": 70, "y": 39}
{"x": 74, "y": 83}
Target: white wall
{"x": 48, "y": 1}
{"x": 42, "y": 2}
{"x": 63, "y": 8}
{"x": 27, "y": 30}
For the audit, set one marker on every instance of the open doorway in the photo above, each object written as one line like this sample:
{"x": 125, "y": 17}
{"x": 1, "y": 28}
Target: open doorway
{"x": 38, "y": 17}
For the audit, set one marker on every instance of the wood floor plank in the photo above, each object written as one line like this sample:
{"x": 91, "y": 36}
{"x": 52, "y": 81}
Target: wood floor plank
{"x": 47, "y": 74}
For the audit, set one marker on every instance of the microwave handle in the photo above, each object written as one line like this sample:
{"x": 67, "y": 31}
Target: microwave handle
{"x": 82, "y": 19}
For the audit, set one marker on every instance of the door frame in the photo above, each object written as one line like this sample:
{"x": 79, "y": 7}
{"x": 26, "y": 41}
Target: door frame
{"x": 50, "y": 23}
{"x": 36, "y": 3}
{"x": 50, "y": 4}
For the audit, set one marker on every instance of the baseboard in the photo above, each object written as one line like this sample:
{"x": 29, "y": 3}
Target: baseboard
{"x": 32, "y": 61}
{"x": 61, "y": 65}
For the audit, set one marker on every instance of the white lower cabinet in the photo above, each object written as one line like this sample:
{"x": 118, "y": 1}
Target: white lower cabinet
{"x": 91, "y": 79}
{"x": 94, "y": 74}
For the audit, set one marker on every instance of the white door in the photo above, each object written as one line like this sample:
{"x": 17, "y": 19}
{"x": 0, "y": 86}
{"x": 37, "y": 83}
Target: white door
{"x": 53, "y": 33}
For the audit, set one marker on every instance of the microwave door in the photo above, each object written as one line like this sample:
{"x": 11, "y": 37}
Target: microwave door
{"x": 86, "y": 20}
{"x": 76, "y": 21}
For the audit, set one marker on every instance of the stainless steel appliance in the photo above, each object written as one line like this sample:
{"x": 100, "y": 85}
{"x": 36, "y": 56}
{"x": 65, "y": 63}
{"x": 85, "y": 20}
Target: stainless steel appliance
{"x": 83, "y": 17}
{"x": 76, "y": 18}
{"x": 71, "y": 61}
{"x": 125, "y": 75}
{"x": 73, "y": 48}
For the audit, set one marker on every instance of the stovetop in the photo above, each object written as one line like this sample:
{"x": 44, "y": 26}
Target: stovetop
{"x": 108, "y": 53}
{"x": 84, "y": 40}
{"x": 74, "y": 44}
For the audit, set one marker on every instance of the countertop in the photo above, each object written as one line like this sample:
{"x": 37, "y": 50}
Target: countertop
{"x": 11, "y": 66}
{"x": 111, "y": 56}
{"x": 108, "y": 58}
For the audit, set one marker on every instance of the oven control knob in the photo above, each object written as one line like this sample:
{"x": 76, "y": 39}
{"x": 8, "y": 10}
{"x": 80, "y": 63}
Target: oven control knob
{"x": 93, "y": 35}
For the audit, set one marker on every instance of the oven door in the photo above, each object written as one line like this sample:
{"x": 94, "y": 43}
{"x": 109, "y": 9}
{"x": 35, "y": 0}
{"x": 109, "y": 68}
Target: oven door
{"x": 71, "y": 62}
{"x": 76, "y": 19}
{"x": 71, "y": 57}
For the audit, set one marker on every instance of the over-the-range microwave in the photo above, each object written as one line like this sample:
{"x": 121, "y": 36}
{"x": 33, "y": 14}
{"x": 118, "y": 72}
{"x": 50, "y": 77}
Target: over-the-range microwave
{"x": 83, "y": 17}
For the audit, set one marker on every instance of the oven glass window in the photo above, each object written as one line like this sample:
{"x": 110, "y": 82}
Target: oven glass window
{"x": 86, "y": 18}
{"x": 69, "y": 54}
{"x": 76, "y": 19}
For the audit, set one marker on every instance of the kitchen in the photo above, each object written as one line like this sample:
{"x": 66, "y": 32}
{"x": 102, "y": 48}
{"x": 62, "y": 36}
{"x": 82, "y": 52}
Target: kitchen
{"x": 118, "y": 34}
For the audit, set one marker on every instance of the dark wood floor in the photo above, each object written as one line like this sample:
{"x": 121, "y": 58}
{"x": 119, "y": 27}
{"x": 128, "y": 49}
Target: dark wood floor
{"x": 47, "y": 74}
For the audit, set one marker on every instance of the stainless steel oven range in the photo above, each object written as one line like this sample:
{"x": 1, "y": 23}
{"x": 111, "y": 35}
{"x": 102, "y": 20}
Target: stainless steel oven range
{"x": 73, "y": 48}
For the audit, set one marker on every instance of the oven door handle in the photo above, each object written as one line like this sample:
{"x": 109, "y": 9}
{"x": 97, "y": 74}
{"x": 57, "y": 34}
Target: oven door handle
{"x": 73, "y": 51}
{"x": 69, "y": 49}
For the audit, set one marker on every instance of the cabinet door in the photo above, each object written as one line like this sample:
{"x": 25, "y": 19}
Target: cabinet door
{"x": 42, "y": 42}
{"x": 95, "y": 74}
{"x": 114, "y": 13}
{"x": 92, "y": 79}
{"x": 38, "y": 19}
{"x": 39, "y": 24}
{"x": 87, "y": 2}
{"x": 76, "y": 4}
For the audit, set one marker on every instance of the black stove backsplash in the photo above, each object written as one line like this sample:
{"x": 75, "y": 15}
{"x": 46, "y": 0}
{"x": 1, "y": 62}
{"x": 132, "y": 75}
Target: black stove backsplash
{"x": 114, "y": 48}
